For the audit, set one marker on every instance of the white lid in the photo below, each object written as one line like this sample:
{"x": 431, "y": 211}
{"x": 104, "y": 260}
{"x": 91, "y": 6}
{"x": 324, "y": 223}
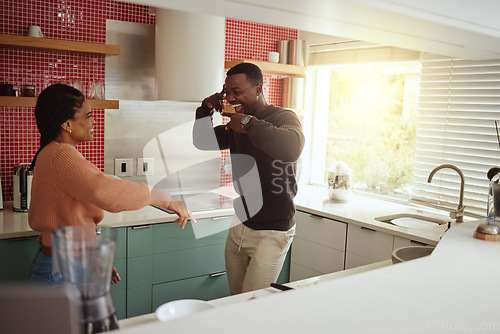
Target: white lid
{"x": 340, "y": 167}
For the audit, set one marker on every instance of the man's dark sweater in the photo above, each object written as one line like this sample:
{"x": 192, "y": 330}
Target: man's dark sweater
{"x": 274, "y": 139}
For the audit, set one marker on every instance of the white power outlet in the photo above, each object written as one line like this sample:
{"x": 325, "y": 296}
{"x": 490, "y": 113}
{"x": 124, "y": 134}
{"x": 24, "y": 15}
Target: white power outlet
{"x": 145, "y": 166}
{"x": 123, "y": 167}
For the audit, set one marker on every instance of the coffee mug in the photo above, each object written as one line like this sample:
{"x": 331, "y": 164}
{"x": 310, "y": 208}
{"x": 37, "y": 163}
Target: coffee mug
{"x": 35, "y": 31}
{"x": 273, "y": 57}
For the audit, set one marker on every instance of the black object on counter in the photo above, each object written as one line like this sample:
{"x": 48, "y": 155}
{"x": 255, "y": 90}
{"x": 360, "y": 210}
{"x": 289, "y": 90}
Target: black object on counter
{"x": 7, "y": 89}
{"x": 281, "y": 287}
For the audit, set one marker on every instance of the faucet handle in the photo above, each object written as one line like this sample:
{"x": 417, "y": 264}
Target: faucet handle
{"x": 458, "y": 213}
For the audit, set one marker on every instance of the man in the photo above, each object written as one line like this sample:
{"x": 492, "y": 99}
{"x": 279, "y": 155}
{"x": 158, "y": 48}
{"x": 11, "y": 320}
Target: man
{"x": 265, "y": 143}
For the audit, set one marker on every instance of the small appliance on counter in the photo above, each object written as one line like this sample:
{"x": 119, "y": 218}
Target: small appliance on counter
{"x": 339, "y": 182}
{"x": 84, "y": 258}
{"x": 22, "y": 187}
{"x": 1, "y": 195}
{"x": 491, "y": 230}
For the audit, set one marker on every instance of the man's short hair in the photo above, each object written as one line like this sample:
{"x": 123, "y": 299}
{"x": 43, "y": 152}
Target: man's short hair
{"x": 252, "y": 71}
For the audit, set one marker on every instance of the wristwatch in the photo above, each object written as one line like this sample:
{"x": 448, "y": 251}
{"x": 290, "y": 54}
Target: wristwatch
{"x": 244, "y": 120}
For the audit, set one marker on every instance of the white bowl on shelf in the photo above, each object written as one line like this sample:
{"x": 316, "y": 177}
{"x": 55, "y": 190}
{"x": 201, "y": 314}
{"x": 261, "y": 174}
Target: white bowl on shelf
{"x": 180, "y": 308}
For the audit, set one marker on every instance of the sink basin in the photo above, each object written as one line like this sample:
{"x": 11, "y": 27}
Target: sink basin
{"x": 410, "y": 252}
{"x": 411, "y": 220}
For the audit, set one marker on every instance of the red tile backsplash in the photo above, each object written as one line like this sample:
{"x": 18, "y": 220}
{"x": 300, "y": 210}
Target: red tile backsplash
{"x": 85, "y": 21}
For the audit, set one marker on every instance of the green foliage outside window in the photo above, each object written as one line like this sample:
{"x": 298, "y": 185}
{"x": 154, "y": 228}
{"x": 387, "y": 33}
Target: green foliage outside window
{"x": 372, "y": 126}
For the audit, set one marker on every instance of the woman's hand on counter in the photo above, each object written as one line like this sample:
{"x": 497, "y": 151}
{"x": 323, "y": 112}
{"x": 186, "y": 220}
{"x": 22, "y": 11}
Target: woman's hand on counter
{"x": 182, "y": 211}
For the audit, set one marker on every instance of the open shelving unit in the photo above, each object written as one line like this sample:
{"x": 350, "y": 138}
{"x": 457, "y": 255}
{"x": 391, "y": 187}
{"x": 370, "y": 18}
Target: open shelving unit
{"x": 13, "y": 101}
{"x": 57, "y": 45}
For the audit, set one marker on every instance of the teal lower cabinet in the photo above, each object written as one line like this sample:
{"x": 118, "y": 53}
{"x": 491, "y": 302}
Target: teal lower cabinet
{"x": 205, "y": 287}
{"x": 119, "y": 290}
{"x": 165, "y": 263}
{"x": 284, "y": 276}
{"x": 138, "y": 301}
{"x": 16, "y": 257}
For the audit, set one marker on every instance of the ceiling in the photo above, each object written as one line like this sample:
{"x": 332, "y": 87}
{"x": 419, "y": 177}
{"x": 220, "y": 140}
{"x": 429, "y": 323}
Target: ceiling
{"x": 463, "y": 29}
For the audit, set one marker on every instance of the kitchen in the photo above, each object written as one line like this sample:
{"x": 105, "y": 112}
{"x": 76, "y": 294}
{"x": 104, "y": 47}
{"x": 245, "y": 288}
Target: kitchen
{"x": 96, "y": 153}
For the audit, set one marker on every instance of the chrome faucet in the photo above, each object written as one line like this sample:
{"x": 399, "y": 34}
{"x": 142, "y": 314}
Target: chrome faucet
{"x": 458, "y": 215}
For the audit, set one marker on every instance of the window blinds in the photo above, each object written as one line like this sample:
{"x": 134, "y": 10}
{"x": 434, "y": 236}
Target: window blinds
{"x": 458, "y": 105}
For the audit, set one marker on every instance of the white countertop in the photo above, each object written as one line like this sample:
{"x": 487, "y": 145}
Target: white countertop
{"x": 15, "y": 224}
{"x": 452, "y": 290}
{"x": 362, "y": 210}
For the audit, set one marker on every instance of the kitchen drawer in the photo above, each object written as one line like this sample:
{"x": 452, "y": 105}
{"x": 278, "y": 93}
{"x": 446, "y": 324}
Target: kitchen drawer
{"x": 140, "y": 241}
{"x": 369, "y": 243}
{"x": 121, "y": 267}
{"x": 354, "y": 260}
{"x": 204, "y": 287}
{"x": 139, "y": 271}
{"x": 121, "y": 243}
{"x": 317, "y": 257}
{"x": 299, "y": 272}
{"x": 139, "y": 301}
{"x": 403, "y": 242}
{"x": 168, "y": 237}
{"x": 16, "y": 257}
{"x": 206, "y": 232}
{"x": 188, "y": 263}
{"x": 323, "y": 231}
{"x": 119, "y": 298}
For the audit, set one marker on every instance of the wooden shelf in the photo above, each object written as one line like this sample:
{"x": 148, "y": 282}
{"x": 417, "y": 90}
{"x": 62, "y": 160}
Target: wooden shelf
{"x": 55, "y": 44}
{"x": 268, "y": 67}
{"x": 13, "y": 101}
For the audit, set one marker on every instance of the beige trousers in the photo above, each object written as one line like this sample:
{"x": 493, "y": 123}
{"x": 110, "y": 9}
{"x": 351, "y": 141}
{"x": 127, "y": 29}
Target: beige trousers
{"x": 254, "y": 258}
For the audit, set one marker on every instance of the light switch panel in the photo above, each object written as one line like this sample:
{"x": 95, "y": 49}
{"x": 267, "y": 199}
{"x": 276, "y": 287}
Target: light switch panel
{"x": 123, "y": 167}
{"x": 145, "y": 166}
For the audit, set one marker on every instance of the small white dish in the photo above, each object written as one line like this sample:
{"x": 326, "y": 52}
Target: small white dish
{"x": 180, "y": 308}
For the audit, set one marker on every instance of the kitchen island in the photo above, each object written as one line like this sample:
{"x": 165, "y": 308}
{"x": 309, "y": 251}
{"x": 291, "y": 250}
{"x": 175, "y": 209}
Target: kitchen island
{"x": 452, "y": 290}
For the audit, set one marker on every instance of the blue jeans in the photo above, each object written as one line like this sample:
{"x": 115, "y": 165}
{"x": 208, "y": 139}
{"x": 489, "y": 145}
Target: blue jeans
{"x": 41, "y": 271}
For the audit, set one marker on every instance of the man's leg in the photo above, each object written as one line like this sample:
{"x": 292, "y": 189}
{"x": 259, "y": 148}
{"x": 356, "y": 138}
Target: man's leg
{"x": 267, "y": 253}
{"x": 236, "y": 259}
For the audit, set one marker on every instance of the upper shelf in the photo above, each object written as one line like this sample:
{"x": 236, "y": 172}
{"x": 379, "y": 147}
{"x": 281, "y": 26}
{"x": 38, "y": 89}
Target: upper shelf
{"x": 268, "y": 67}
{"x": 12, "y": 101}
{"x": 55, "y": 44}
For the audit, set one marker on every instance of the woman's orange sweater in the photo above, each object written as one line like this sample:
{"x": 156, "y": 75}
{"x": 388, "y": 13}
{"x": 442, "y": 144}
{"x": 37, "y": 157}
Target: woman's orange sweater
{"x": 69, "y": 190}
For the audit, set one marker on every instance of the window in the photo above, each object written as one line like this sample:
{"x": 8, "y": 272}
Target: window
{"x": 394, "y": 123}
{"x": 369, "y": 117}
{"x": 459, "y": 103}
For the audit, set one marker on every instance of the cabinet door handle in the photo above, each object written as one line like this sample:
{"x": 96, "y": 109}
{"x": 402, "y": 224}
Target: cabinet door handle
{"x": 417, "y": 243}
{"x": 315, "y": 216}
{"x": 222, "y": 273}
{"x": 140, "y": 227}
{"x": 18, "y": 239}
{"x": 368, "y": 229}
{"x": 218, "y": 218}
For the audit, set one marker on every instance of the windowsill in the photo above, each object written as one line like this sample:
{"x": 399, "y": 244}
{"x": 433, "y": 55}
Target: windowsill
{"x": 410, "y": 202}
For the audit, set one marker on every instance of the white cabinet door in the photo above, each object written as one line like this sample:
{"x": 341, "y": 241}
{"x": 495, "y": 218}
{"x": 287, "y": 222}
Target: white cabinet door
{"x": 323, "y": 231}
{"x": 318, "y": 246}
{"x": 365, "y": 246}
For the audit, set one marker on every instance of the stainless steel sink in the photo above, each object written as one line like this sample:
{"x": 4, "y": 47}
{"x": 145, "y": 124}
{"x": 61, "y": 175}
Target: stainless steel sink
{"x": 411, "y": 252}
{"x": 411, "y": 220}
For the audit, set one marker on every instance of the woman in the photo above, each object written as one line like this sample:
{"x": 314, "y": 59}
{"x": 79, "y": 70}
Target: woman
{"x": 69, "y": 190}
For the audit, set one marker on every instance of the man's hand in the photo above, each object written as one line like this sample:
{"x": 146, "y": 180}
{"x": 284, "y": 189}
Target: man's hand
{"x": 214, "y": 101}
{"x": 182, "y": 211}
{"x": 235, "y": 123}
